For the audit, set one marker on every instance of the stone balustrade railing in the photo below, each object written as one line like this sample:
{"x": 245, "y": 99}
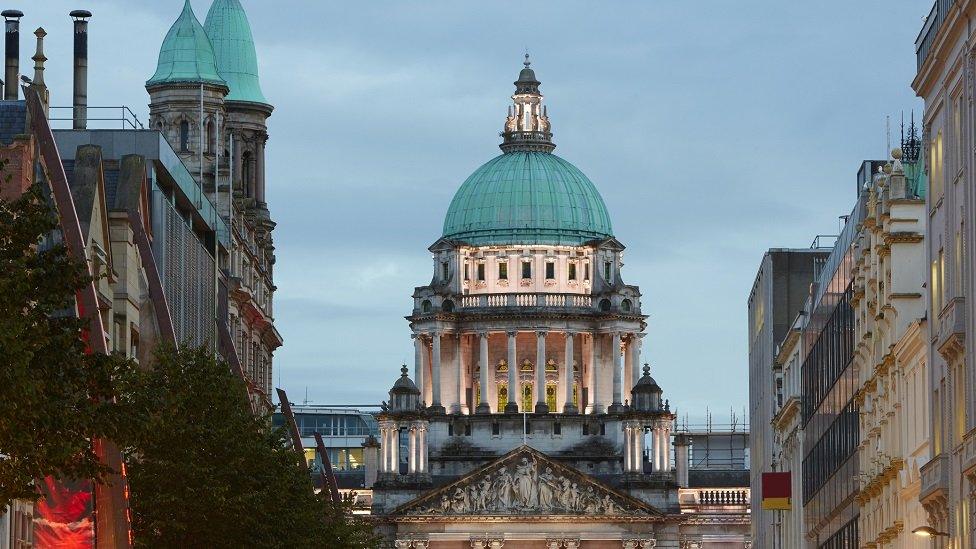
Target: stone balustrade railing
{"x": 735, "y": 496}
{"x": 526, "y": 300}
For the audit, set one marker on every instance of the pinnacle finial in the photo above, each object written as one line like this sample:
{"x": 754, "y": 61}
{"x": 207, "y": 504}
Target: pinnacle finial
{"x": 647, "y": 369}
{"x": 403, "y": 370}
{"x": 527, "y": 62}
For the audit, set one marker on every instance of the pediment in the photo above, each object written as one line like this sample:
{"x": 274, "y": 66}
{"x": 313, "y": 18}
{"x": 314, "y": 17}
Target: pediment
{"x": 525, "y": 482}
{"x": 442, "y": 245}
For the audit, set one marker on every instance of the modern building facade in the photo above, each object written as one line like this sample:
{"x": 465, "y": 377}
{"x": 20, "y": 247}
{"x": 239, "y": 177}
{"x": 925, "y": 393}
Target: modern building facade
{"x": 945, "y": 81}
{"x": 778, "y": 294}
{"x": 890, "y": 322}
{"x": 532, "y": 422}
{"x": 205, "y": 99}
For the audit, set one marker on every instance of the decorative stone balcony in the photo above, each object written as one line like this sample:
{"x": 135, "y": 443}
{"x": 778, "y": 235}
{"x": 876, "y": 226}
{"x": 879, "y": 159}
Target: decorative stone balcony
{"x": 952, "y": 329}
{"x": 969, "y": 454}
{"x": 935, "y": 479}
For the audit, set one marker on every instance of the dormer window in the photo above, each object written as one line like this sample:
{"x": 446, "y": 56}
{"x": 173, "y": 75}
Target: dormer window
{"x": 526, "y": 269}
{"x": 571, "y": 272}
{"x": 606, "y": 270}
{"x": 503, "y": 270}
{"x": 550, "y": 270}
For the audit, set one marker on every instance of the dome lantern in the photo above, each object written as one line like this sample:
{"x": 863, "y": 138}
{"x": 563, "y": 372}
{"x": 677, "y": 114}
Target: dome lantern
{"x": 527, "y": 125}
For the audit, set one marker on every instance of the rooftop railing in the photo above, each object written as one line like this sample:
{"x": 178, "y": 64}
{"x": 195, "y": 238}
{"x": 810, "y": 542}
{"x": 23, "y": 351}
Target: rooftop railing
{"x": 113, "y": 118}
{"x": 526, "y": 300}
{"x": 930, "y": 29}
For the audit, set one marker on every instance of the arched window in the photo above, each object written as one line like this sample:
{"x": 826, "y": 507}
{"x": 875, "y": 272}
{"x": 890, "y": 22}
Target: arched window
{"x": 605, "y": 305}
{"x": 211, "y": 137}
{"x": 626, "y": 305}
{"x": 448, "y": 306}
{"x": 425, "y": 306}
{"x": 246, "y": 173}
{"x": 551, "y": 396}
{"x": 527, "y": 397}
{"x": 502, "y": 396}
{"x": 184, "y": 136}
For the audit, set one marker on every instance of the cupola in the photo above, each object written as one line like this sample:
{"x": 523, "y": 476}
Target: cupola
{"x": 404, "y": 396}
{"x": 233, "y": 46}
{"x": 186, "y": 55}
{"x": 646, "y": 393}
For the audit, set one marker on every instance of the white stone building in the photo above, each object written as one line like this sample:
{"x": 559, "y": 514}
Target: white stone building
{"x": 531, "y": 423}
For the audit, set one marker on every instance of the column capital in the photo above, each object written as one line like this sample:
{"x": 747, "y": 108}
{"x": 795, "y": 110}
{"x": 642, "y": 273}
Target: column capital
{"x": 541, "y": 333}
{"x": 482, "y": 333}
{"x": 511, "y": 333}
{"x": 570, "y": 333}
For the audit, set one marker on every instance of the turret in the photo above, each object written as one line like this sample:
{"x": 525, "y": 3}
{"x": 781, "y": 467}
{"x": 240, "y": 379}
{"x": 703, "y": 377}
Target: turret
{"x": 527, "y": 125}
{"x": 646, "y": 393}
{"x": 403, "y": 414}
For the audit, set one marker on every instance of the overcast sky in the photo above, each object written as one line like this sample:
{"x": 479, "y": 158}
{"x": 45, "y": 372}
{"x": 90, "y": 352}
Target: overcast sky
{"x": 713, "y": 129}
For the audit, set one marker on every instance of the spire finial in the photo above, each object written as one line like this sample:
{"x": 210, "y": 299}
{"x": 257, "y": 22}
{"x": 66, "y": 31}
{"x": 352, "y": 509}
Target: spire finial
{"x": 647, "y": 369}
{"x": 403, "y": 370}
{"x": 527, "y": 62}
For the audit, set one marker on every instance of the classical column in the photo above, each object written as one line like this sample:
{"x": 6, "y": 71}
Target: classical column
{"x": 681, "y": 443}
{"x": 459, "y": 406}
{"x": 412, "y": 448}
{"x": 423, "y": 448}
{"x": 628, "y": 450}
{"x": 395, "y": 449}
{"x": 628, "y": 367}
{"x": 596, "y": 407}
{"x": 636, "y": 340}
{"x": 638, "y": 448}
{"x": 418, "y": 362}
{"x": 655, "y": 450}
{"x": 483, "y": 406}
{"x": 666, "y": 447}
{"x": 540, "y": 373}
{"x": 512, "y": 407}
{"x": 259, "y": 168}
{"x": 435, "y": 376}
{"x": 617, "y": 405}
{"x": 569, "y": 407}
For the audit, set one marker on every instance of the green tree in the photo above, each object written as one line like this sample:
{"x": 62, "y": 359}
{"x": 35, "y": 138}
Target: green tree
{"x": 206, "y": 472}
{"x": 54, "y": 397}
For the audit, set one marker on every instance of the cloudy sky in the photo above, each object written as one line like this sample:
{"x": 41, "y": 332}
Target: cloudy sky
{"x": 714, "y": 130}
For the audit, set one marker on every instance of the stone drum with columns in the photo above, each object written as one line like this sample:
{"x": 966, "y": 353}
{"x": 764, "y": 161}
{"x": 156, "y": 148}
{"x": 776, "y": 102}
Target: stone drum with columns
{"x": 530, "y": 423}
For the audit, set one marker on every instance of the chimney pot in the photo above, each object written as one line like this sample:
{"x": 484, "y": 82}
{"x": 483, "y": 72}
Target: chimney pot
{"x": 12, "y": 53}
{"x": 80, "y": 103}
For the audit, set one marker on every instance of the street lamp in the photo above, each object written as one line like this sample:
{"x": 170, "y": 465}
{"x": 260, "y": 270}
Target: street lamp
{"x": 928, "y": 532}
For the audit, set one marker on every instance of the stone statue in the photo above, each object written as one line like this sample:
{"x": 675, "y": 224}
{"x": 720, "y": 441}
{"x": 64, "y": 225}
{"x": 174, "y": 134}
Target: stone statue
{"x": 547, "y": 489}
{"x": 526, "y": 483}
{"x": 503, "y": 490}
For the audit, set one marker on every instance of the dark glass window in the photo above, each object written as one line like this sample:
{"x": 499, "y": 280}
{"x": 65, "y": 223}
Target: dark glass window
{"x": 481, "y": 272}
{"x": 526, "y": 269}
{"x": 606, "y": 270}
{"x": 572, "y": 271}
{"x": 550, "y": 270}
{"x": 586, "y": 271}
{"x": 444, "y": 271}
{"x": 503, "y": 271}
{"x": 557, "y": 428}
{"x": 496, "y": 428}
{"x": 184, "y": 136}
{"x": 466, "y": 275}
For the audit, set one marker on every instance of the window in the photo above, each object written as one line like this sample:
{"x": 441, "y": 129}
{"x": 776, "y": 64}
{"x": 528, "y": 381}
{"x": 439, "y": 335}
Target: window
{"x": 502, "y": 396}
{"x": 527, "y": 397}
{"x": 481, "y": 272}
{"x": 586, "y": 271}
{"x": 211, "y": 138}
{"x": 626, "y": 305}
{"x": 467, "y": 275}
{"x": 551, "y": 396}
{"x": 550, "y": 270}
{"x": 503, "y": 270}
{"x": 444, "y": 271}
{"x": 557, "y": 429}
{"x": 526, "y": 269}
{"x": 184, "y": 136}
{"x": 606, "y": 271}
{"x": 936, "y": 170}
{"x": 571, "y": 271}
{"x": 496, "y": 428}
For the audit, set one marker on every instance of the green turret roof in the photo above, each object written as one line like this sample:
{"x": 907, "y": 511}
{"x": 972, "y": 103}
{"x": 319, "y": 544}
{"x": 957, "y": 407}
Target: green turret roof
{"x": 186, "y": 54}
{"x": 527, "y": 197}
{"x": 233, "y": 44}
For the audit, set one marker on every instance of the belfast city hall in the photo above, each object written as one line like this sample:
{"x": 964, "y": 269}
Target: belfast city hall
{"x": 528, "y": 419}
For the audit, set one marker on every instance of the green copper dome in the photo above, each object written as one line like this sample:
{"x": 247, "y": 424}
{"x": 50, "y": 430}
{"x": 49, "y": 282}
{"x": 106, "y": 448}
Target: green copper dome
{"x": 233, "y": 44}
{"x": 186, "y": 54}
{"x": 527, "y": 197}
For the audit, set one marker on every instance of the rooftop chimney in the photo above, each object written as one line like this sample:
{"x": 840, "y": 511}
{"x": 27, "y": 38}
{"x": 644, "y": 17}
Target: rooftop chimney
{"x": 12, "y": 53}
{"x": 80, "y": 116}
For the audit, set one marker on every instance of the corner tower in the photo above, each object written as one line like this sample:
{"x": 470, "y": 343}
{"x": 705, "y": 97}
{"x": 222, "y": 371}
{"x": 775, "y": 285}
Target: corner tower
{"x": 206, "y": 99}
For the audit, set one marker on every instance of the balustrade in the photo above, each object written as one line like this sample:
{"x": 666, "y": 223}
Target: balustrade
{"x": 526, "y": 300}
{"x": 723, "y": 497}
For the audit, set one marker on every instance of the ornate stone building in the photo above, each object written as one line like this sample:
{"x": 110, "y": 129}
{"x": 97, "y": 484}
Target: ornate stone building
{"x": 206, "y": 99}
{"x": 890, "y": 325}
{"x": 946, "y": 80}
{"x": 531, "y": 423}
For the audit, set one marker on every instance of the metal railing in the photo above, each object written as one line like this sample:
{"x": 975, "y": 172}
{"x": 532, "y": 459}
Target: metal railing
{"x": 923, "y": 44}
{"x": 123, "y": 115}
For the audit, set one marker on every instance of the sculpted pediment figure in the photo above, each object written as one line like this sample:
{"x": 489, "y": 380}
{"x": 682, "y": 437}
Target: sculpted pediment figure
{"x": 525, "y": 482}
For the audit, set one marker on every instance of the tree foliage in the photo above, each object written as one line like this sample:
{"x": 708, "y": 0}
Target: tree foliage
{"x": 206, "y": 472}
{"x": 54, "y": 396}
